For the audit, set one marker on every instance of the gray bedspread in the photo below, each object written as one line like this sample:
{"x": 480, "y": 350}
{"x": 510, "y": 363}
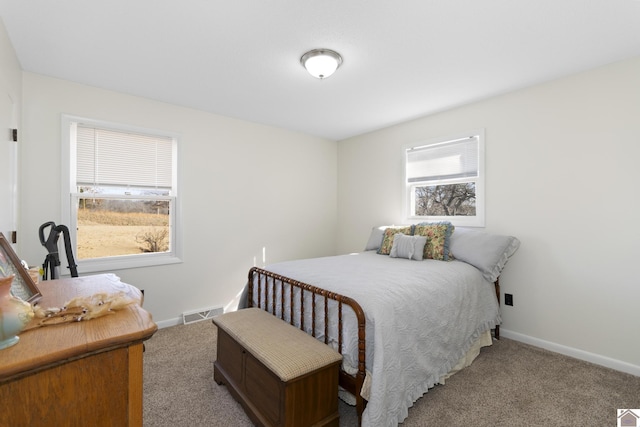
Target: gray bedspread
{"x": 422, "y": 317}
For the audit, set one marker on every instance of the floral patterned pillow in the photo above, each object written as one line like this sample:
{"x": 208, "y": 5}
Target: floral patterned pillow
{"x": 387, "y": 240}
{"x": 438, "y": 237}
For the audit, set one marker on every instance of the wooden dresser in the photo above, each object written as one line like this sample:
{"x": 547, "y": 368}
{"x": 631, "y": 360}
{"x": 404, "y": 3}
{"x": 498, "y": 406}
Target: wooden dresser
{"x": 81, "y": 373}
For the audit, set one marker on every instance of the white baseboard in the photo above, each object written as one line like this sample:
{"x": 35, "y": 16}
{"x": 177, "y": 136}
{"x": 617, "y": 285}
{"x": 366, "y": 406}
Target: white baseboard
{"x": 597, "y": 359}
{"x": 173, "y": 322}
{"x": 169, "y": 322}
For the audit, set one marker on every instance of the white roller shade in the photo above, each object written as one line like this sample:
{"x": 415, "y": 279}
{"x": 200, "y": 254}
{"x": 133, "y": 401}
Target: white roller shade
{"x": 112, "y": 158}
{"x": 443, "y": 161}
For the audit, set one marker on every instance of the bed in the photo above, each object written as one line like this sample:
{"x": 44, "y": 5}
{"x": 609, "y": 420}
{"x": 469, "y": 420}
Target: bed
{"x": 403, "y": 313}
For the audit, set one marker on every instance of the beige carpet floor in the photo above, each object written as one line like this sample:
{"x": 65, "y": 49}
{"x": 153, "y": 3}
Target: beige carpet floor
{"x": 510, "y": 384}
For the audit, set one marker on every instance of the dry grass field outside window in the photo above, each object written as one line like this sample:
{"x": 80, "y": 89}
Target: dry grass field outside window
{"x": 106, "y": 233}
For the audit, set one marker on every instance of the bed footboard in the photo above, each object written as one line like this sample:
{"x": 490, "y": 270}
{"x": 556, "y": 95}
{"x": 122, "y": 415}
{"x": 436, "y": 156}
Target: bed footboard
{"x": 292, "y": 301}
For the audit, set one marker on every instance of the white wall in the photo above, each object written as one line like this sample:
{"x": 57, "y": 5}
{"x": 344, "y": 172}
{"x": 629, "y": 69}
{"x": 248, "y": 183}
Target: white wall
{"x": 243, "y": 187}
{"x": 562, "y": 176}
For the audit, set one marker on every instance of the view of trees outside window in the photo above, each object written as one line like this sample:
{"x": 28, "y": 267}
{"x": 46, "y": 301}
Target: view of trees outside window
{"x": 446, "y": 200}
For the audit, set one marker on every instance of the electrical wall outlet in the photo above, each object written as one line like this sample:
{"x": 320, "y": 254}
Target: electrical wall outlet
{"x": 508, "y": 299}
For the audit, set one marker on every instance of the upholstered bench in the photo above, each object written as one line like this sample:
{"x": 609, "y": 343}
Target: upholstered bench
{"x": 281, "y": 375}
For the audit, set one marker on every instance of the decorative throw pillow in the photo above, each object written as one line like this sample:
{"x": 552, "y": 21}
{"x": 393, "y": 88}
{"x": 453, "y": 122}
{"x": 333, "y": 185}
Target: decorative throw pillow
{"x": 438, "y": 239}
{"x": 409, "y": 247}
{"x": 387, "y": 241}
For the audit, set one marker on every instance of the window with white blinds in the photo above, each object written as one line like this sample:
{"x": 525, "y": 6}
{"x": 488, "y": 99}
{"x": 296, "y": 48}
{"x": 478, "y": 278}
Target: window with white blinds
{"x": 121, "y": 202}
{"x": 443, "y": 161}
{"x": 123, "y": 159}
{"x": 444, "y": 179}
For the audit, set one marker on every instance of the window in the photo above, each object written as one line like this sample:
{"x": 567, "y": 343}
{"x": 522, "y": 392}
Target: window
{"x": 120, "y": 202}
{"x": 444, "y": 180}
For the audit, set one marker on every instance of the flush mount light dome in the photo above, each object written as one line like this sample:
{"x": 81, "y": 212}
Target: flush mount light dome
{"x": 321, "y": 63}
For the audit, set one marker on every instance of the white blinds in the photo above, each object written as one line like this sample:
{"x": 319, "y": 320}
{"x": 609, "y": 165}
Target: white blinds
{"x": 448, "y": 160}
{"x": 113, "y": 158}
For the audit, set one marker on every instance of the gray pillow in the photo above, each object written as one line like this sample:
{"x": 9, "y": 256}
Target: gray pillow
{"x": 375, "y": 239}
{"x": 409, "y": 247}
{"x": 487, "y": 252}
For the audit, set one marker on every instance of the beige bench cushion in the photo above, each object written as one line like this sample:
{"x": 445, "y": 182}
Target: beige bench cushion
{"x": 287, "y": 351}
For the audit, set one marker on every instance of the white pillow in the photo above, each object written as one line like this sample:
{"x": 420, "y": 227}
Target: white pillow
{"x": 409, "y": 247}
{"x": 487, "y": 252}
{"x": 375, "y": 239}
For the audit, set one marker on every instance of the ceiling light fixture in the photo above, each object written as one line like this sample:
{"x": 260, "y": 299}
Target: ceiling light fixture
{"x": 321, "y": 63}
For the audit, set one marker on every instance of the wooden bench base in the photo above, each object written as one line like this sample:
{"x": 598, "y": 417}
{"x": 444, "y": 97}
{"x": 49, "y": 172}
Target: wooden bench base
{"x": 307, "y": 400}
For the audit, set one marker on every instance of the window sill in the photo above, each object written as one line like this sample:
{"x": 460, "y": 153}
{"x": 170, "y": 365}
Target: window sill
{"x": 125, "y": 262}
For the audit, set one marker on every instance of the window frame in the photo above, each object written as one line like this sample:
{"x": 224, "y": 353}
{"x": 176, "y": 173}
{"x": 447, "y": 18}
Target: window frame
{"x": 408, "y": 194}
{"x": 70, "y": 196}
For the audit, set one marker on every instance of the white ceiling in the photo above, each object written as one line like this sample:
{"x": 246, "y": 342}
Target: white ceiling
{"x": 403, "y": 59}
